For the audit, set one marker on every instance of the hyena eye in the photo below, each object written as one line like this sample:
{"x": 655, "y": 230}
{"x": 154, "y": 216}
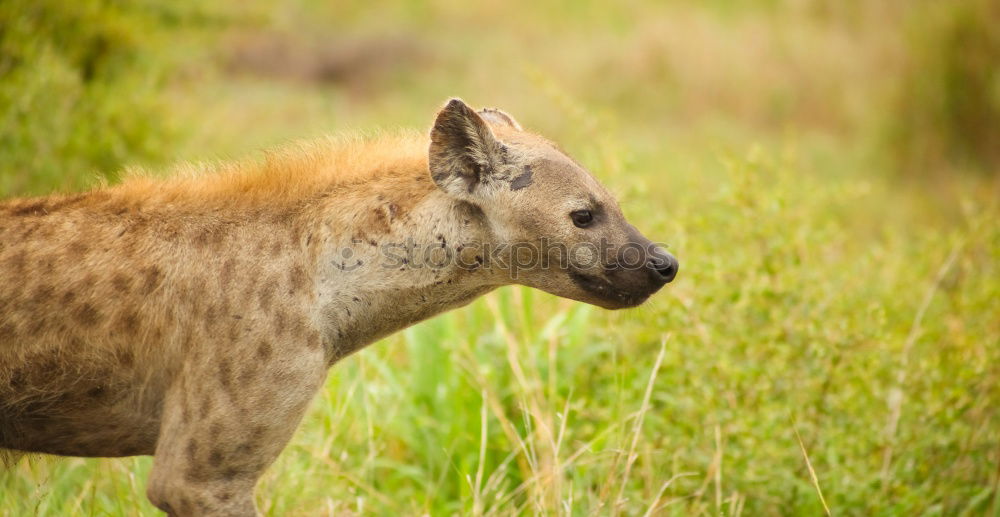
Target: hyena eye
{"x": 582, "y": 218}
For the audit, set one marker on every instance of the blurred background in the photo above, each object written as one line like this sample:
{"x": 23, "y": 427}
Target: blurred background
{"x": 828, "y": 174}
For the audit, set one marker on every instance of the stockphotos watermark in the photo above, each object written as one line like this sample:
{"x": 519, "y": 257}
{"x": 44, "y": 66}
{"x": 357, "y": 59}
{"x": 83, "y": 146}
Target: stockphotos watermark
{"x": 512, "y": 257}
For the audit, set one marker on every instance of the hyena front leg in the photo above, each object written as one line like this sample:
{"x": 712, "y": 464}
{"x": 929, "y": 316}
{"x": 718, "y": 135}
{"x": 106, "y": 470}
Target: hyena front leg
{"x": 224, "y": 422}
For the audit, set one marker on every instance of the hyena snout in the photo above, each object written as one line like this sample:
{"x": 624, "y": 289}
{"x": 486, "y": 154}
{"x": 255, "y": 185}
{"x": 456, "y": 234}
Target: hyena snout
{"x": 638, "y": 270}
{"x": 662, "y": 266}
{"x": 643, "y": 272}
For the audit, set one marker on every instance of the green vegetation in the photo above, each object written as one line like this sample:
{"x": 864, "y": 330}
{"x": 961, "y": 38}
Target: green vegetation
{"x": 825, "y": 308}
{"x": 949, "y": 95}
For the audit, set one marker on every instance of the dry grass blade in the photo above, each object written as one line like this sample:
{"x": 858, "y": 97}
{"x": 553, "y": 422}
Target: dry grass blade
{"x": 663, "y": 488}
{"x": 896, "y": 393}
{"x": 630, "y": 460}
{"x": 812, "y": 472}
{"x": 477, "y": 504}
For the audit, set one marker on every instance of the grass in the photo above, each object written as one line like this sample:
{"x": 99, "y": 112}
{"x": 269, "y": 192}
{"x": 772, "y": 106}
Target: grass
{"x": 830, "y": 346}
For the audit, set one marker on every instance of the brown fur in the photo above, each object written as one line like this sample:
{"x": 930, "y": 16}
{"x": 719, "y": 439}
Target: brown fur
{"x": 194, "y": 317}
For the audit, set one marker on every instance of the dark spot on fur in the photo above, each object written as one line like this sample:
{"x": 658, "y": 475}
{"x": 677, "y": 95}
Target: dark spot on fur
{"x": 297, "y": 277}
{"x": 225, "y": 370}
{"x": 276, "y": 249}
{"x": 28, "y": 229}
{"x": 129, "y": 322}
{"x": 42, "y": 294}
{"x": 87, "y": 315}
{"x": 126, "y": 358}
{"x": 206, "y": 406}
{"x": 77, "y": 249}
{"x": 264, "y": 350}
{"x": 280, "y": 321}
{"x": 7, "y": 331}
{"x": 207, "y": 237}
{"x": 48, "y": 264}
{"x": 192, "y": 449}
{"x": 18, "y": 261}
{"x": 228, "y": 269}
{"x": 208, "y": 321}
{"x": 380, "y": 220}
{"x": 478, "y": 176}
{"x": 247, "y": 374}
{"x": 234, "y": 333}
{"x": 215, "y": 458}
{"x": 151, "y": 277}
{"x": 267, "y": 294}
{"x": 195, "y": 475}
{"x": 121, "y": 283}
{"x": 96, "y": 392}
{"x": 298, "y": 328}
{"x": 524, "y": 180}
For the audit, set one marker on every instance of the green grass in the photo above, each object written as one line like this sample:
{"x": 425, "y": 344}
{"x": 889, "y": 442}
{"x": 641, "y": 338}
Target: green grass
{"x": 824, "y": 311}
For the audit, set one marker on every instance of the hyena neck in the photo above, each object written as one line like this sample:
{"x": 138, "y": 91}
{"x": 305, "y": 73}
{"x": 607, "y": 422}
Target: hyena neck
{"x": 396, "y": 257}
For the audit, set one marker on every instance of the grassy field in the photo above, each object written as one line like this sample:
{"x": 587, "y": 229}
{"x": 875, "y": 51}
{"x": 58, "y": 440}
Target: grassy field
{"x": 831, "y": 345}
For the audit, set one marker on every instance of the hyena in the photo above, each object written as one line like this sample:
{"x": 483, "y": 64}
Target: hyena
{"x": 193, "y": 318}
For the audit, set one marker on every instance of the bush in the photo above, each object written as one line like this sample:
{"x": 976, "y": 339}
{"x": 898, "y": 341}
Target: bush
{"x": 80, "y": 91}
{"x": 948, "y": 104}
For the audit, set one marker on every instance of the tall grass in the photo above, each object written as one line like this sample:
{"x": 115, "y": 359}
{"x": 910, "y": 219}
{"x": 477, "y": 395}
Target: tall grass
{"x": 831, "y": 341}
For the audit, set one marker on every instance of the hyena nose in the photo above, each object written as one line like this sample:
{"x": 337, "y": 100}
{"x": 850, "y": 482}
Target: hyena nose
{"x": 663, "y": 266}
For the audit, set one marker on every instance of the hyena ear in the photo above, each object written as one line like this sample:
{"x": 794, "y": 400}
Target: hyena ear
{"x": 498, "y": 117}
{"x": 464, "y": 154}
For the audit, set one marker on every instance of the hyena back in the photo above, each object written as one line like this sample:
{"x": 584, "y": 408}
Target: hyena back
{"x": 193, "y": 318}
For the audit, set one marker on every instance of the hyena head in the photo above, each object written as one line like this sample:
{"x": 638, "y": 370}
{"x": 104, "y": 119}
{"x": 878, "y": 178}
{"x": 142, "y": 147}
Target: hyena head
{"x": 560, "y": 230}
